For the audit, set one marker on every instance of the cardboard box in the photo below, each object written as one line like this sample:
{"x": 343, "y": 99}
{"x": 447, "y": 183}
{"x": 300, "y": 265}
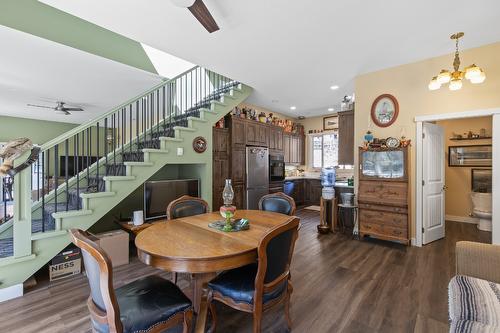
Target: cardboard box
{"x": 65, "y": 264}
{"x": 116, "y": 245}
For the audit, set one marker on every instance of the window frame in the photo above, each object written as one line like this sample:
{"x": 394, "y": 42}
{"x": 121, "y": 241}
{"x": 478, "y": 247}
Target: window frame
{"x": 311, "y": 149}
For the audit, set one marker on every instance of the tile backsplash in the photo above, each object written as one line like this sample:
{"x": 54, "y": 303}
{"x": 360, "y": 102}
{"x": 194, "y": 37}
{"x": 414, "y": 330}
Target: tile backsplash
{"x": 294, "y": 170}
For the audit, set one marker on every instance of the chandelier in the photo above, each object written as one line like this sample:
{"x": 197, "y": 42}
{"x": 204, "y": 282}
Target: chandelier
{"x": 472, "y": 73}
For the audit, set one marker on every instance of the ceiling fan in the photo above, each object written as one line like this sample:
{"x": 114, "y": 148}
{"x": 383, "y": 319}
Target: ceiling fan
{"x": 59, "y": 108}
{"x": 200, "y": 12}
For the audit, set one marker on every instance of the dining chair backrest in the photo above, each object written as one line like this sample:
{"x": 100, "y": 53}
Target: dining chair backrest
{"x": 275, "y": 255}
{"x": 102, "y": 303}
{"x": 277, "y": 202}
{"x": 186, "y": 206}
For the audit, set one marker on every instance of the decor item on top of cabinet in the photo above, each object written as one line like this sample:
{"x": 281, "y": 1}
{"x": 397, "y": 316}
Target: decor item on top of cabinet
{"x": 391, "y": 142}
{"x": 385, "y": 110}
{"x": 330, "y": 123}
{"x": 262, "y": 117}
{"x": 199, "y": 144}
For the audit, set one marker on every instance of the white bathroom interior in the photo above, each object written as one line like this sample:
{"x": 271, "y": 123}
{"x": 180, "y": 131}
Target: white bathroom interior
{"x": 468, "y": 172}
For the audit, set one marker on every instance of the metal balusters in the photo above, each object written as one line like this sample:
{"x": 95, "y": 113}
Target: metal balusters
{"x": 66, "y": 171}
{"x": 38, "y": 179}
{"x": 43, "y": 191}
{"x": 137, "y": 122}
{"x": 130, "y": 129}
{"x": 89, "y": 159}
{"x": 123, "y": 130}
{"x": 98, "y": 154}
{"x": 113, "y": 122}
{"x": 106, "y": 145}
{"x": 77, "y": 162}
{"x": 56, "y": 174}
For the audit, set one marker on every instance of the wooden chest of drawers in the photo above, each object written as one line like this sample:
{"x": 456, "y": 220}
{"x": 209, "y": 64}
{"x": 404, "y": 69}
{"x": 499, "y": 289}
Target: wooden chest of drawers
{"x": 383, "y": 207}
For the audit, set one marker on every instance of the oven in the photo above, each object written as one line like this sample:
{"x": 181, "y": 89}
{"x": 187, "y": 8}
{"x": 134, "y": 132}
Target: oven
{"x": 276, "y": 167}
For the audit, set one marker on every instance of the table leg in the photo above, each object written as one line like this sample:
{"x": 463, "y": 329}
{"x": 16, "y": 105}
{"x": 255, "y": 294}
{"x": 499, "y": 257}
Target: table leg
{"x": 200, "y": 282}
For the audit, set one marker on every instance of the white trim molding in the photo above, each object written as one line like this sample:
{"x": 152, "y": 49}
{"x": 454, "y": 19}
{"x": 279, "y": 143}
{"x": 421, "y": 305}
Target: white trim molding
{"x": 463, "y": 219}
{"x": 495, "y": 113}
{"x": 11, "y": 292}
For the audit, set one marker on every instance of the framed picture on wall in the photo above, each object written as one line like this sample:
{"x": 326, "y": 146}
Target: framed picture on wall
{"x": 330, "y": 123}
{"x": 481, "y": 180}
{"x": 470, "y": 156}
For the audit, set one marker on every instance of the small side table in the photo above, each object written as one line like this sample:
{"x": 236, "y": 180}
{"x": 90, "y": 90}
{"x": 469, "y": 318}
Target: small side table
{"x": 343, "y": 208}
{"x": 129, "y": 227}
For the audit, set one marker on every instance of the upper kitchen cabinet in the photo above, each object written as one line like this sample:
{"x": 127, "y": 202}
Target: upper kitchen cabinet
{"x": 276, "y": 139}
{"x": 294, "y": 148}
{"x": 346, "y": 138}
{"x": 238, "y": 131}
{"x": 256, "y": 133}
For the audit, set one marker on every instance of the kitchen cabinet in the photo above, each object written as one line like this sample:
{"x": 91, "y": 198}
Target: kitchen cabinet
{"x": 298, "y": 191}
{"x": 256, "y": 133}
{"x": 220, "y": 168}
{"x": 239, "y": 196}
{"x": 313, "y": 191}
{"x": 276, "y": 139}
{"x": 238, "y": 137}
{"x": 238, "y": 166}
{"x": 276, "y": 186}
{"x": 346, "y": 138}
{"x": 294, "y": 149}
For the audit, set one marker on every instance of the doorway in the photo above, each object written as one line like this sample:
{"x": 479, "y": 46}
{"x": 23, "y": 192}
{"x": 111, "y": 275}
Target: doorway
{"x": 444, "y": 183}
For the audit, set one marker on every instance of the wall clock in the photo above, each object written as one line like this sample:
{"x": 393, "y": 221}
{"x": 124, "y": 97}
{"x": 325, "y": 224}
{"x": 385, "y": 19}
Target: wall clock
{"x": 199, "y": 144}
{"x": 385, "y": 110}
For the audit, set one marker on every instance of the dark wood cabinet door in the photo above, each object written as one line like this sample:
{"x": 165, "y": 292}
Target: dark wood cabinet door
{"x": 279, "y": 138}
{"x": 220, "y": 140}
{"x": 262, "y": 135}
{"x": 299, "y": 190}
{"x": 238, "y": 137}
{"x": 302, "y": 150}
{"x": 346, "y": 138}
{"x": 286, "y": 147}
{"x": 220, "y": 171}
{"x": 272, "y": 138}
{"x": 252, "y": 133}
{"x": 239, "y": 196}
{"x": 238, "y": 166}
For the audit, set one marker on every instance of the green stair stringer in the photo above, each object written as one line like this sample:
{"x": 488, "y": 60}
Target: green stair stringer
{"x": 46, "y": 245}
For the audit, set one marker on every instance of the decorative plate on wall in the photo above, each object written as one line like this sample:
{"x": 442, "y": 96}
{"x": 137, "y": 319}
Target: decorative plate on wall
{"x": 385, "y": 110}
{"x": 199, "y": 144}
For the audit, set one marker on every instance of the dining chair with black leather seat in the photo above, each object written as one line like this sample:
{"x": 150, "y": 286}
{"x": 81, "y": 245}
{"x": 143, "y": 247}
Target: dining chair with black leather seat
{"x": 183, "y": 207}
{"x": 186, "y": 206}
{"x": 255, "y": 288}
{"x": 278, "y": 202}
{"x": 150, "y": 304}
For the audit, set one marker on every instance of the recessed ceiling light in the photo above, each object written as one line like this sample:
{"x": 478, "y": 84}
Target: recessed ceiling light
{"x": 334, "y": 87}
{"x": 331, "y": 109}
{"x": 293, "y": 107}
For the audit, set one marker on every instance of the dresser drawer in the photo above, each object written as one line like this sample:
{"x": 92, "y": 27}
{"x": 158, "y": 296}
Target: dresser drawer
{"x": 383, "y": 192}
{"x": 383, "y": 208}
{"x": 383, "y": 218}
{"x": 383, "y": 230}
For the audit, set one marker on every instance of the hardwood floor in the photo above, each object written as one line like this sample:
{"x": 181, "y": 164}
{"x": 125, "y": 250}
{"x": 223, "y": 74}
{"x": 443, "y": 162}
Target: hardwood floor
{"x": 340, "y": 285}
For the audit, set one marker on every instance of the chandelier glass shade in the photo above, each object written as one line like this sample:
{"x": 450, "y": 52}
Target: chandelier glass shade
{"x": 454, "y": 79}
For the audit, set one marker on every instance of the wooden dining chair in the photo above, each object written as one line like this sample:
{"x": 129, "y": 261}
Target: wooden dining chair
{"x": 257, "y": 287}
{"x": 186, "y": 206}
{"x": 183, "y": 207}
{"x": 278, "y": 202}
{"x": 150, "y": 304}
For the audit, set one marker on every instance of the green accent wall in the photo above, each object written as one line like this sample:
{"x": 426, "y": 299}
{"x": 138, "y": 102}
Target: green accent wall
{"x": 47, "y": 22}
{"x": 39, "y": 131}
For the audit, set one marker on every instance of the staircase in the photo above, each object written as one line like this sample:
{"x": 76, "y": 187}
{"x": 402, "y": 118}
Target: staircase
{"x": 81, "y": 175}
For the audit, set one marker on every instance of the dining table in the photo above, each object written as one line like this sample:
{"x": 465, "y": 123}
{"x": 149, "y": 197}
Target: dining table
{"x": 189, "y": 245}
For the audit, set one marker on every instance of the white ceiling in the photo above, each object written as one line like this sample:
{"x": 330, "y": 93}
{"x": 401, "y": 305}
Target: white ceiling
{"x": 293, "y": 51}
{"x": 34, "y": 70}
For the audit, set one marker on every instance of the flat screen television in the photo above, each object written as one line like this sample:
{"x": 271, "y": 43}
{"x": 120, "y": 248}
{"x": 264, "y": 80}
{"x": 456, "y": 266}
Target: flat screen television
{"x": 158, "y": 194}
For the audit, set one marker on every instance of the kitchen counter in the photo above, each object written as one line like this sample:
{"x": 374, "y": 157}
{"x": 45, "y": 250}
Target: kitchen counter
{"x": 337, "y": 184}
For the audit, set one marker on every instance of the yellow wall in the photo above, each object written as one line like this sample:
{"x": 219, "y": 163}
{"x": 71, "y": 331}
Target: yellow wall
{"x": 408, "y": 83}
{"x": 458, "y": 179}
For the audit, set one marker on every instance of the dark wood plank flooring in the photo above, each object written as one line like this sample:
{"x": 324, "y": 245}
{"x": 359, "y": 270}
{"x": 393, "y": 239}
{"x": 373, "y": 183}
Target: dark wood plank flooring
{"x": 340, "y": 285}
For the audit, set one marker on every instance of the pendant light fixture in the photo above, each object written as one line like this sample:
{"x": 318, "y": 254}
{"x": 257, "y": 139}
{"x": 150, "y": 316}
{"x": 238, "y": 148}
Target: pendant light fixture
{"x": 454, "y": 79}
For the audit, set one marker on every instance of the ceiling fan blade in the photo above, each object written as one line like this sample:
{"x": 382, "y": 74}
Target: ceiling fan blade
{"x": 200, "y": 11}
{"x": 40, "y": 106}
{"x": 72, "y": 109}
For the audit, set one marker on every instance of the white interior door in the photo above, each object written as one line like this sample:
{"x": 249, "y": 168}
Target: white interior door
{"x": 433, "y": 183}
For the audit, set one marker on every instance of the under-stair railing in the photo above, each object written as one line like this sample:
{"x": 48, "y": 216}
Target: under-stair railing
{"x": 77, "y": 161}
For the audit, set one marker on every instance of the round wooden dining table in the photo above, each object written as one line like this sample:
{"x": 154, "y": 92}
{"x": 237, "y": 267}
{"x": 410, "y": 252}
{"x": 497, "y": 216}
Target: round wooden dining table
{"x": 189, "y": 245}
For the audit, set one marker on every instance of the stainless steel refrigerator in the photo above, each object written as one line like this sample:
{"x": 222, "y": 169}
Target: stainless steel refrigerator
{"x": 257, "y": 162}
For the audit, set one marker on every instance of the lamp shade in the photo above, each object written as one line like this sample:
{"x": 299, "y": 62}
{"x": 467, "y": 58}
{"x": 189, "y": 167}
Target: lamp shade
{"x": 479, "y": 78}
{"x": 434, "y": 84}
{"x": 444, "y": 77}
{"x": 472, "y": 72}
{"x": 455, "y": 84}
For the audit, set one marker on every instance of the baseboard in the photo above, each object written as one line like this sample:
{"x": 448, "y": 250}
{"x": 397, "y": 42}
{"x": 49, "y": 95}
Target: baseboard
{"x": 11, "y": 292}
{"x": 464, "y": 219}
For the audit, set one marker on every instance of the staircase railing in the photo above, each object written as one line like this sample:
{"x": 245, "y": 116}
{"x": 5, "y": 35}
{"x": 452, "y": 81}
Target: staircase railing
{"x": 77, "y": 161}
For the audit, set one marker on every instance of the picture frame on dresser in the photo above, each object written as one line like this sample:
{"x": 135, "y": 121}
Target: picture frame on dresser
{"x": 383, "y": 194}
